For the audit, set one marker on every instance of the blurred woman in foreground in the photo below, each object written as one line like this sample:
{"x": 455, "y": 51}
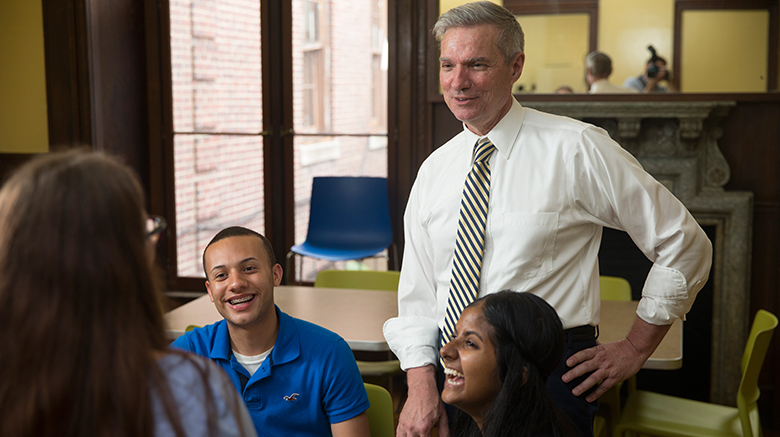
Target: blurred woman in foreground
{"x": 84, "y": 346}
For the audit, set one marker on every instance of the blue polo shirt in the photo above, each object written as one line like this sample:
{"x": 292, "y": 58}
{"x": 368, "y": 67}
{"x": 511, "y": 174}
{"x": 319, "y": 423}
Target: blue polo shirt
{"x": 309, "y": 381}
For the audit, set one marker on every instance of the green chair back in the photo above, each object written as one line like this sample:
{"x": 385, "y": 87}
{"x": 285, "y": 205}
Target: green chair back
{"x": 380, "y": 413}
{"x": 614, "y": 288}
{"x": 365, "y": 279}
{"x": 649, "y": 413}
{"x": 764, "y": 325}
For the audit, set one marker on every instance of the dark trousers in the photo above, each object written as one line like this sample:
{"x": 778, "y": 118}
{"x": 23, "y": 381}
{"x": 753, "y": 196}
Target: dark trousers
{"x": 581, "y": 413}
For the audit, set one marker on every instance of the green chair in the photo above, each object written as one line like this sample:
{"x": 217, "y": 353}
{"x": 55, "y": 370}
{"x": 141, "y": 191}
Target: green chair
{"x": 380, "y": 413}
{"x": 656, "y": 414}
{"x": 373, "y": 371}
{"x": 599, "y": 427}
{"x": 365, "y": 279}
{"x": 614, "y": 288}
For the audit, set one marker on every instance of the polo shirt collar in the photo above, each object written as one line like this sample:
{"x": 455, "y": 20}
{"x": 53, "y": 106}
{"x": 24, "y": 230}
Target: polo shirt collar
{"x": 221, "y": 348}
{"x": 505, "y": 133}
{"x": 286, "y": 348}
{"x": 288, "y": 341}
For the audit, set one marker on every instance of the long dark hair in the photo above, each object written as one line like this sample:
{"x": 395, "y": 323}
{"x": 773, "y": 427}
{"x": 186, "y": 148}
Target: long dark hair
{"x": 528, "y": 339}
{"x": 82, "y": 321}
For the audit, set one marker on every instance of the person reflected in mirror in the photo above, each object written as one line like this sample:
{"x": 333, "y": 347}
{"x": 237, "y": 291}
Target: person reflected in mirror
{"x": 598, "y": 67}
{"x": 655, "y": 73}
{"x": 506, "y": 346}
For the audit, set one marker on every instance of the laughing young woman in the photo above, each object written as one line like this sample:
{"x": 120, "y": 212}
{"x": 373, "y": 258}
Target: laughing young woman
{"x": 506, "y": 346}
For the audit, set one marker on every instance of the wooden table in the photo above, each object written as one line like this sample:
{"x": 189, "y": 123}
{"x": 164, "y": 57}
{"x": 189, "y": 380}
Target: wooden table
{"x": 616, "y": 320}
{"x": 358, "y": 316}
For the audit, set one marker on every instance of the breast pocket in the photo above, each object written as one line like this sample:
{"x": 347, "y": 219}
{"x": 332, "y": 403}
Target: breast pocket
{"x": 526, "y": 243}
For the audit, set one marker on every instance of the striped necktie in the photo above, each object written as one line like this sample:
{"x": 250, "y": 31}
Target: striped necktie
{"x": 470, "y": 239}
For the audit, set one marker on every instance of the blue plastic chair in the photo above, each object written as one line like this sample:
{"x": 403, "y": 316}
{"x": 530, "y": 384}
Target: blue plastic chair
{"x": 349, "y": 219}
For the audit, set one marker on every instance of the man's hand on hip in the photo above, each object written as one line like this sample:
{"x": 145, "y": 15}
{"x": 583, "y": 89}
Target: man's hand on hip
{"x": 614, "y": 362}
{"x": 423, "y": 409}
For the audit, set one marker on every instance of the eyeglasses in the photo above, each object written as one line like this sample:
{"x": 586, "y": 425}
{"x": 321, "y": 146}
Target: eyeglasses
{"x": 155, "y": 226}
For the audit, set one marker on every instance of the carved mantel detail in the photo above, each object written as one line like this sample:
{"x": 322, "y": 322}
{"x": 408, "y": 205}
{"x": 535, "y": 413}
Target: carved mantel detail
{"x": 677, "y": 142}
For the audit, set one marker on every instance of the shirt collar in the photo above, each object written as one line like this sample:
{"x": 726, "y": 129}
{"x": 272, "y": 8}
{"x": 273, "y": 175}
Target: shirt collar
{"x": 599, "y": 83}
{"x": 221, "y": 348}
{"x": 286, "y": 348}
{"x": 504, "y": 134}
{"x": 288, "y": 341}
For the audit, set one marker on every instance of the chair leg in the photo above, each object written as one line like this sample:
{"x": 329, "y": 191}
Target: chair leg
{"x": 296, "y": 273}
{"x": 631, "y": 384}
{"x": 299, "y": 271}
{"x": 287, "y": 267}
{"x": 394, "y": 249}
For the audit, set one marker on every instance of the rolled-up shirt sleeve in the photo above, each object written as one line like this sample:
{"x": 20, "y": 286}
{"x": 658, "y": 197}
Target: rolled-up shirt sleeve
{"x": 413, "y": 335}
{"x": 612, "y": 187}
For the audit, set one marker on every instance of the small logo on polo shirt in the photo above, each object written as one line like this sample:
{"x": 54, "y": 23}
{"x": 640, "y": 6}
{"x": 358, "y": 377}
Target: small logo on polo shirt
{"x": 292, "y": 398}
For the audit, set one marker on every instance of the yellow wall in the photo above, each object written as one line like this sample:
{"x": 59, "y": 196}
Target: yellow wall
{"x": 627, "y": 27}
{"x": 718, "y": 61}
{"x": 446, "y": 5}
{"x": 555, "y": 47}
{"x": 23, "y": 121}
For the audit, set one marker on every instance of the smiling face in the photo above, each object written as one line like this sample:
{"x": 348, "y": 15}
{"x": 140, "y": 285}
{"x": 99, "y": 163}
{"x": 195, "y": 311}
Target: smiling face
{"x": 470, "y": 366}
{"x": 241, "y": 281}
{"x": 475, "y": 78}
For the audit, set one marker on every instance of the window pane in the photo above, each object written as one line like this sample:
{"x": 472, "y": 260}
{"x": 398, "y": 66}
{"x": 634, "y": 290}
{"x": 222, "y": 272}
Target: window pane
{"x": 216, "y": 77}
{"x": 334, "y": 75}
{"x": 312, "y": 82}
{"x": 219, "y": 183}
{"x": 333, "y": 156}
{"x": 312, "y": 21}
{"x": 339, "y": 98}
{"x": 215, "y": 57}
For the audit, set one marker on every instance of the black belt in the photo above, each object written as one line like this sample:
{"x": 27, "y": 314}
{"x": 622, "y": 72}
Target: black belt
{"x": 580, "y": 333}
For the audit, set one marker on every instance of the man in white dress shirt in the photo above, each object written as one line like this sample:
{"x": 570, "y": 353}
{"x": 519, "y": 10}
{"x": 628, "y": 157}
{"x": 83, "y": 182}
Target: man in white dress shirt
{"x": 598, "y": 67}
{"x": 555, "y": 183}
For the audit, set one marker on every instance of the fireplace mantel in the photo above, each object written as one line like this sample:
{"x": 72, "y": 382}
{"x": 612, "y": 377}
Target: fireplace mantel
{"x": 677, "y": 142}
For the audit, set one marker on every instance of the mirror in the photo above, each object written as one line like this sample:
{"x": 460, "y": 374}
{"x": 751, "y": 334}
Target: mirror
{"x": 718, "y": 46}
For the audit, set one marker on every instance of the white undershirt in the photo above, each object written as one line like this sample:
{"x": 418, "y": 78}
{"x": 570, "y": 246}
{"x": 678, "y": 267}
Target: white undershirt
{"x": 252, "y": 363}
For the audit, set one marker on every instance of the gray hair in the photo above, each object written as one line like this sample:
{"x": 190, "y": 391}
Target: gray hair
{"x": 511, "y": 40}
{"x": 599, "y": 64}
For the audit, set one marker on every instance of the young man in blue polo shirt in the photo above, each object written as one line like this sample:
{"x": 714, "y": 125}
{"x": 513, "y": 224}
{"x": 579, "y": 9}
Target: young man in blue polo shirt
{"x": 295, "y": 377}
